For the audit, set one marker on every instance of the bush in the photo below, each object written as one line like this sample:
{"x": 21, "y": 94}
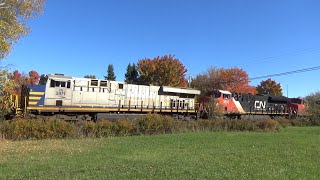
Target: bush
{"x": 268, "y": 125}
{"x": 104, "y": 128}
{"x": 155, "y": 124}
{"x": 146, "y": 125}
{"x": 123, "y": 127}
{"x": 36, "y": 129}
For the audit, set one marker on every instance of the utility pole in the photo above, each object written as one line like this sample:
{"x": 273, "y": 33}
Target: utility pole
{"x": 287, "y": 91}
{"x": 189, "y": 80}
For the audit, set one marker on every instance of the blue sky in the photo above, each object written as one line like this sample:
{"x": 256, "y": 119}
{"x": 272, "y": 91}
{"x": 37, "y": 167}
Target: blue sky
{"x": 263, "y": 37}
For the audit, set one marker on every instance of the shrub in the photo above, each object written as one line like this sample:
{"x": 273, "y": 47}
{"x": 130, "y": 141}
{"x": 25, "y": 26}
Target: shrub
{"x": 123, "y": 127}
{"x": 155, "y": 124}
{"x": 86, "y": 128}
{"x": 268, "y": 125}
{"x": 149, "y": 125}
{"x": 284, "y": 122}
{"x": 104, "y": 128}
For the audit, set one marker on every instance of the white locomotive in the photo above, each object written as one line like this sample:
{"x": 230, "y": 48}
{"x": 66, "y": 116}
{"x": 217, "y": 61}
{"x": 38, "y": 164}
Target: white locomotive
{"x": 81, "y": 97}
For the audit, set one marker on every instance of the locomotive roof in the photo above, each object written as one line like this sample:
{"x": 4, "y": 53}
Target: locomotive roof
{"x": 180, "y": 90}
{"x": 59, "y": 76}
{"x": 224, "y": 92}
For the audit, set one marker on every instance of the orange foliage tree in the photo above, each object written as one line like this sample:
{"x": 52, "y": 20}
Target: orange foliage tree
{"x": 162, "y": 71}
{"x": 269, "y": 87}
{"x": 233, "y": 79}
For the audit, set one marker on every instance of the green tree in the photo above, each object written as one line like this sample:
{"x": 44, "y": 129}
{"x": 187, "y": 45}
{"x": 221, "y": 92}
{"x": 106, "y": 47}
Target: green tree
{"x": 13, "y": 20}
{"x": 132, "y": 74}
{"x": 90, "y": 76}
{"x": 110, "y": 73}
{"x": 269, "y": 87}
{"x": 162, "y": 71}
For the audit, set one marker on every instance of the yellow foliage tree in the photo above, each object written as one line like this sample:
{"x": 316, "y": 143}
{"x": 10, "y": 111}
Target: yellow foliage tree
{"x": 13, "y": 16}
{"x": 7, "y": 87}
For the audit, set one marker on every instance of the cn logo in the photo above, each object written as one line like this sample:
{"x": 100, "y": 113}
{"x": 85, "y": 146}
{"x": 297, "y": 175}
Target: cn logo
{"x": 260, "y": 104}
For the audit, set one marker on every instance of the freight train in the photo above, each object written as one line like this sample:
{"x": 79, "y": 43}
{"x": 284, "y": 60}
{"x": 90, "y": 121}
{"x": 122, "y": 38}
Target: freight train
{"x": 71, "y": 98}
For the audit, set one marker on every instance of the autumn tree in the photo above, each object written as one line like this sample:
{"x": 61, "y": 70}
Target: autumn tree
{"x": 7, "y": 86}
{"x": 33, "y": 78}
{"x": 313, "y": 107}
{"x": 20, "y": 79}
{"x": 90, "y": 76}
{"x": 162, "y": 71}
{"x": 269, "y": 87}
{"x": 233, "y": 80}
{"x": 132, "y": 74}
{"x": 110, "y": 73}
{"x": 14, "y": 15}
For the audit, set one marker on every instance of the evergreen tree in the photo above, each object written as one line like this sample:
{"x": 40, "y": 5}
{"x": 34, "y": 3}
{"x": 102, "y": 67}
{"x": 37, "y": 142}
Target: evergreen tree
{"x": 43, "y": 79}
{"x": 131, "y": 74}
{"x": 110, "y": 73}
{"x": 90, "y": 76}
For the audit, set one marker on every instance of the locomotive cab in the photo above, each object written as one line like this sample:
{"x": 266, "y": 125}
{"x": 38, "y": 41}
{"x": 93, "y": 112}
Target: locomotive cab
{"x": 223, "y": 101}
{"x": 58, "y": 90}
{"x": 297, "y": 106}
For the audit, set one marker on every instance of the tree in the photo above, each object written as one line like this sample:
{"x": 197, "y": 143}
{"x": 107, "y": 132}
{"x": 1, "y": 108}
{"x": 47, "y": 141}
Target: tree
{"x": 43, "y": 79}
{"x": 7, "y": 88}
{"x": 110, "y": 73}
{"x": 313, "y": 107}
{"x": 132, "y": 74}
{"x": 21, "y": 79}
{"x": 90, "y": 76}
{"x": 162, "y": 71}
{"x": 233, "y": 80}
{"x": 33, "y": 78}
{"x": 14, "y": 15}
{"x": 269, "y": 87}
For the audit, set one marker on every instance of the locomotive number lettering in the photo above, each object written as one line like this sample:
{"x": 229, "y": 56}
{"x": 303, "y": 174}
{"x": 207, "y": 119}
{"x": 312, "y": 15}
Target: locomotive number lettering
{"x": 260, "y": 104}
{"x": 60, "y": 92}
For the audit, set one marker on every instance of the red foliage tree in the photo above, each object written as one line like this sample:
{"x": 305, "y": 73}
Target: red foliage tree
{"x": 233, "y": 79}
{"x": 21, "y": 79}
{"x": 34, "y": 78}
{"x": 162, "y": 71}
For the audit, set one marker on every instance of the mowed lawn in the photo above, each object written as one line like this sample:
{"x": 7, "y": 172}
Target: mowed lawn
{"x": 292, "y": 153}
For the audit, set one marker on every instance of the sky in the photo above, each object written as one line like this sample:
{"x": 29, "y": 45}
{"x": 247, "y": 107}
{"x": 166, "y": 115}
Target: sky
{"x": 263, "y": 37}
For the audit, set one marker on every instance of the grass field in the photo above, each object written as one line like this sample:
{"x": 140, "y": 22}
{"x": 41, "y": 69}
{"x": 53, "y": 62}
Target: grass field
{"x": 292, "y": 153}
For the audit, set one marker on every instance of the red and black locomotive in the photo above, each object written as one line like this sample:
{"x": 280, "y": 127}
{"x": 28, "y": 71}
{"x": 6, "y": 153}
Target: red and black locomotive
{"x": 236, "y": 105}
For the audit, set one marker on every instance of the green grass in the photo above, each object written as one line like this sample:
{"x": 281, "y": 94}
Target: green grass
{"x": 292, "y": 153}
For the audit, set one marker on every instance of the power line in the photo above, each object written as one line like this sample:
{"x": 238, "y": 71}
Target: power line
{"x": 287, "y": 73}
{"x": 273, "y": 58}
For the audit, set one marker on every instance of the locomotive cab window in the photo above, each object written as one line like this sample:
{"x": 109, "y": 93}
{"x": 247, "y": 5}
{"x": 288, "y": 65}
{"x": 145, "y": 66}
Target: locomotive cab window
{"x": 54, "y": 83}
{"x": 104, "y": 83}
{"x": 226, "y": 96}
{"x": 94, "y": 82}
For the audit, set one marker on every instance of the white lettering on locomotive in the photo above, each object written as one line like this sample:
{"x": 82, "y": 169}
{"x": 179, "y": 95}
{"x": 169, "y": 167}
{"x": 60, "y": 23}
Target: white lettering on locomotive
{"x": 260, "y": 105}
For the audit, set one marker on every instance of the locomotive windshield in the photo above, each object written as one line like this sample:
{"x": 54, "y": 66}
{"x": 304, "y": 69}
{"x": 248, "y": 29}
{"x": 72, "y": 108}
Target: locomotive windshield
{"x": 297, "y": 100}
